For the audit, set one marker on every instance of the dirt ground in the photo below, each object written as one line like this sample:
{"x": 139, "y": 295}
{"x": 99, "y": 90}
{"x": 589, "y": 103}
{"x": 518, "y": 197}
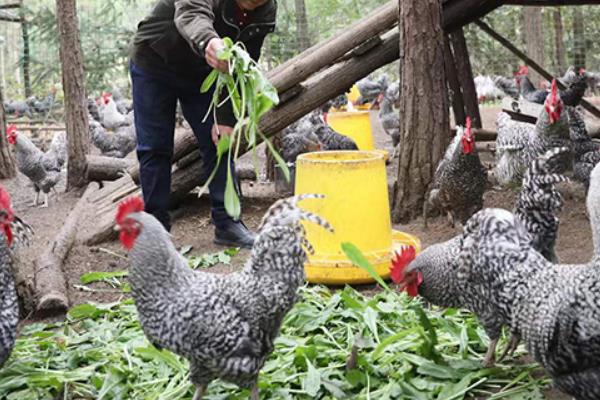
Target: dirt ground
{"x": 192, "y": 227}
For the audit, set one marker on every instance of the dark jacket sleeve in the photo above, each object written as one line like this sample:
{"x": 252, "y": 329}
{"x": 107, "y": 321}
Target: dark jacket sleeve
{"x": 225, "y": 114}
{"x": 194, "y": 20}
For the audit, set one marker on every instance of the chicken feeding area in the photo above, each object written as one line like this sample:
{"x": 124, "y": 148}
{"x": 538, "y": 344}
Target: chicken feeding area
{"x": 360, "y": 214}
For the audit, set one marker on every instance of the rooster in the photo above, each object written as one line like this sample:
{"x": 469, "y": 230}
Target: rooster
{"x": 433, "y": 274}
{"x": 586, "y": 152}
{"x": 224, "y": 325}
{"x": 13, "y": 231}
{"x": 459, "y": 180}
{"x": 518, "y": 143}
{"x": 42, "y": 169}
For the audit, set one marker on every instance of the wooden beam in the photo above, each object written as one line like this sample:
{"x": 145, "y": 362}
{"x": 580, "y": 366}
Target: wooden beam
{"x": 458, "y": 13}
{"x": 465, "y": 76}
{"x": 458, "y": 105}
{"x": 10, "y": 5}
{"x": 550, "y": 3}
{"x": 508, "y": 45}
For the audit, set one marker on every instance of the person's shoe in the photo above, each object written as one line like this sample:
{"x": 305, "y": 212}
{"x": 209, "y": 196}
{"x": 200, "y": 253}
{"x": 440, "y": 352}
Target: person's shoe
{"x": 235, "y": 234}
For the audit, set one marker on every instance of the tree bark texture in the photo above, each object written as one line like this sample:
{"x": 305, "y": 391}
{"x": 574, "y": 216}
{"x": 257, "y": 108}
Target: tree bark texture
{"x": 73, "y": 79}
{"x": 423, "y": 138}
{"x": 7, "y": 163}
{"x": 560, "y": 58}
{"x": 302, "y": 32}
{"x": 465, "y": 76}
{"x": 26, "y": 53}
{"x": 534, "y": 39}
{"x": 579, "y": 46}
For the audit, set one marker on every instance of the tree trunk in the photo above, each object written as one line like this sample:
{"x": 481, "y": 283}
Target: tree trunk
{"x": 533, "y": 36}
{"x": 465, "y": 76}
{"x": 26, "y": 54}
{"x": 579, "y": 49}
{"x": 559, "y": 45}
{"x": 302, "y": 33}
{"x": 71, "y": 58}
{"x": 423, "y": 139}
{"x": 7, "y": 164}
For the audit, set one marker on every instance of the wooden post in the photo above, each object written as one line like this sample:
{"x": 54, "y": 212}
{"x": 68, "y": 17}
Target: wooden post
{"x": 458, "y": 105}
{"x": 504, "y": 42}
{"x": 423, "y": 139}
{"x": 73, "y": 78}
{"x": 26, "y": 55}
{"x": 465, "y": 76}
{"x": 7, "y": 164}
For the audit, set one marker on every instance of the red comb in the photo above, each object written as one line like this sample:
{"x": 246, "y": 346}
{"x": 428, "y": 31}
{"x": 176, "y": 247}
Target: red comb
{"x": 468, "y": 123}
{"x": 554, "y": 87}
{"x": 11, "y": 129}
{"x": 400, "y": 262}
{"x": 581, "y": 71}
{"x": 127, "y": 206}
{"x": 523, "y": 70}
{"x": 5, "y": 200}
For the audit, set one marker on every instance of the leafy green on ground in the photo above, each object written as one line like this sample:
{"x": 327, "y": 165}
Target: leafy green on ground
{"x": 100, "y": 352}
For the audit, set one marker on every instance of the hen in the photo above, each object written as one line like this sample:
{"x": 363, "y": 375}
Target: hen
{"x": 507, "y": 85}
{"x": 117, "y": 143}
{"x": 433, "y": 273}
{"x": 586, "y": 152}
{"x": 370, "y": 89}
{"x": 459, "y": 180}
{"x": 42, "y": 169}
{"x": 13, "y": 231}
{"x": 571, "y": 96}
{"x": 110, "y": 117}
{"x": 224, "y": 325}
{"x": 554, "y": 308}
{"x": 486, "y": 89}
{"x": 389, "y": 115}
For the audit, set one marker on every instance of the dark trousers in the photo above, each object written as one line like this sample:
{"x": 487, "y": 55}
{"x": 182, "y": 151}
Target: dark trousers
{"x": 155, "y": 96}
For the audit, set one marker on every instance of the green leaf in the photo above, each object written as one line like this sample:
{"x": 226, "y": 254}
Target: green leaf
{"x": 90, "y": 277}
{"x": 209, "y": 81}
{"x": 280, "y": 161}
{"x": 312, "y": 382}
{"x": 232, "y": 201}
{"x": 358, "y": 259}
{"x": 223, "y": 145}
{"x": 85, "y": 310}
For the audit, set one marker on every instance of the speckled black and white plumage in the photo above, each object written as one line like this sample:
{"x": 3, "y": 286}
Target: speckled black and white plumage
{"x": 388, "y": 115}
{"x": 332, "y": 140}
{"x": 369, "y": 89}
{"x": 459, "y": 182}
{"x": 507, "y": 85}
{"x": 117, "y": 143}
{"x": 223, "y": 324}
{"x": 554, "y": 308}
{"x": 539, "y": 201}
{"x": 586, "y": 152}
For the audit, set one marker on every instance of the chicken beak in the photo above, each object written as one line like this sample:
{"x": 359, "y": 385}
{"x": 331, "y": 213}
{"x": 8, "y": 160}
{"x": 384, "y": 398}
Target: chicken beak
{"x": 117, "y": 227}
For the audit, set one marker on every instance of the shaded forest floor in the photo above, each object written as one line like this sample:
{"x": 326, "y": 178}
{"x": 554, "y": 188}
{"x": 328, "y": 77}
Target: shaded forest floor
{"x": 192, "y": 227}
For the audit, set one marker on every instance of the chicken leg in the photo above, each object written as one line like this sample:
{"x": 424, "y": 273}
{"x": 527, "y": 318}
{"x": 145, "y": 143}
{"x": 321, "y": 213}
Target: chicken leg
{"x": 254, "y": 392}
{"x": 510, "y": 348}
{"x": 199, "y": 392}
{"x": 490, "y": 356}
{"x": 45, "y": 205}
{"x": 36, "y": 198}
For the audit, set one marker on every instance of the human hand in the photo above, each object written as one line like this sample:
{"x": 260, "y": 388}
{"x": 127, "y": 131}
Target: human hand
{"x": 219, "y": 130}
{"x": 210, "y": 53}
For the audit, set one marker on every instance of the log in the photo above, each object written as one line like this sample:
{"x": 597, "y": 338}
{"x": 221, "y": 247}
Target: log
{"x": 101, "y": 168}
{"x": 50, "y": 284}
{"x": 508, "y": 45}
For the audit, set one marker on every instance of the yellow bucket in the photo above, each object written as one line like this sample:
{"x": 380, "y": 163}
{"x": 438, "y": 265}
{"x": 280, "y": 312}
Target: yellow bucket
{"x": 357, "y": 206}
{"x": 354, "y": 124}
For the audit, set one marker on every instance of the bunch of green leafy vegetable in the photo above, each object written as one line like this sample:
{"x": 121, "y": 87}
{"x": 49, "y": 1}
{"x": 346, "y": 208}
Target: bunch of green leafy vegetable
{"x": 100, "y": 352}
{"x": 251, "y": 96}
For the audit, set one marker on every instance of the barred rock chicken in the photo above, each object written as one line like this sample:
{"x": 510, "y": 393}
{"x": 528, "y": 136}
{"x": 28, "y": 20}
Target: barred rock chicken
{"x": 507, "y": 86}
{"x": 389, "y": 116}
{"x": 571, "y": 96}
{"x": 42, "y": 169}
{"x": 295, "y": 143}
{"x": 370, "y": 89}
{"x": 518, "y": 143}
{"x": 17, "y": 108}
{"x": 110, "y": 117}
{"x": 586, "y": 152}
{"x": 433, "y": 273}
{"x": 124, "y": 106}
{"x": 13, "y": 231}
{"x": 459, "y": 180}
{"x": 117, "y": 143}
{"x": 224, "y": 325}
{"x": 554, "y": 308}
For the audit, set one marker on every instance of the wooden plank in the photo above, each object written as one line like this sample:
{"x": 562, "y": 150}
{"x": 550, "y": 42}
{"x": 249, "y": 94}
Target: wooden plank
{"x": 458, "y": 13}
{"x": 508, "y": 45}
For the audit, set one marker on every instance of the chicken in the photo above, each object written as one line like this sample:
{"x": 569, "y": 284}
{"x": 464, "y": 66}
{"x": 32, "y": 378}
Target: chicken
{"x": 554, "y": 308}
{"x": 93, "y": 110}
{"x": 17, "y": 109}
{"x": 370, "y": 89}
{"x": 433, "y": 274}
{"x": 224, "y": 325}
{"x": 13, "y": 232}
{"x": 506, "y": 85}
{"x": 110, "y": 117}
{"x": 118, "y": 143}
{"x": 42, "y": 169}
{"x": 571, "y": 96}
{"x": 486, "y": 89}
{"x": 124, "y": 106}
{"x": 295, "y": 143}
{"x": 56, "y": 155}
{"x": 459, "y": 180}
{"x": 586, "y": 152}
{"x": 45, "y": 105}
{"x": 518, "y": 144}
{"x": 390, "y": 116}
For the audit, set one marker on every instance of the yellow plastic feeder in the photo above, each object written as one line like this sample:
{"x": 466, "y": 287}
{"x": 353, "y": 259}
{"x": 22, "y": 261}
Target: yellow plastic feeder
{"x": 354, "y": 124}
{"x": 357, "y": 206}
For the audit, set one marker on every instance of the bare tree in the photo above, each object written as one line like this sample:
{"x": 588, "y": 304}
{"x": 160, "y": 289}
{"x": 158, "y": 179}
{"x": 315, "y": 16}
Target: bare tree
{"x": 423, "y": 138}
{"x": 559, "y": 44}
{"x": 579, "y": 47}
{"x": 7, "y": 164}
{"x": 71, "y": 58}
{"x": 533, "y": 36}
{"x": 302, "y": 33}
